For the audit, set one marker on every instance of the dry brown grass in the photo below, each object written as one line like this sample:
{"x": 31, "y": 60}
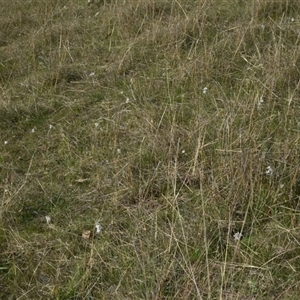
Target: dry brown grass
{"x": 172, "y": 124}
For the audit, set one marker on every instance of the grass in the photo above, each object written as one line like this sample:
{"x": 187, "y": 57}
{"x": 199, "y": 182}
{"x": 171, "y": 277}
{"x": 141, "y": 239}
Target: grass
{"x": 172, "y": 124}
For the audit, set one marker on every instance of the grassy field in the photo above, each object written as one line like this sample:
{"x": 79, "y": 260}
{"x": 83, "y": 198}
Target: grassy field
{"x": 149, "y": 149}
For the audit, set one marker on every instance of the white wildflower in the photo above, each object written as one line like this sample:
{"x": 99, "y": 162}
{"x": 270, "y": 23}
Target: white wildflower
{"x": 118, "y": 150}
{"x": 292, "y": 19}
{"x": 183, "y": 151}
{"x": 96, "y": 124}
{"x": 98, "y": 228}
{"x": 48, "y": 219}
{"x": 32, "y": 130}
{"x": 237, "y": 236}
{"x": 5, "y": 142}
{"x": 92, "y": 74}
{"x": 269, "y": 171}
{"x": 260, "y": 102}
{"x": 127, "y": 100}
{"x": 204, "y": 91}
{"x": 51, "y": 127}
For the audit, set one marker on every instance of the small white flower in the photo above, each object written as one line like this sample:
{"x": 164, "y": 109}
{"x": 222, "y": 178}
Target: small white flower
{"x": 118, "y": 150}
{"x": 96, "y": 124}
{"x": 183, "y": 151}
{"x": 92, "y": 74}
{"x": 260, "y": 102}
{"x": 237, "y": 236}
{"x": 48, "y": 219}
{"x": 269, "y": 171}
{"x": 204, "y": 91}
{"x": 127, "y": 100}
{"x": 292, "y": 19}
{"x": 98, "y": 228}
{"x": 51, "y": 127}
{"x": 5, "y": 142}
{"x": 32, "y": 130}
